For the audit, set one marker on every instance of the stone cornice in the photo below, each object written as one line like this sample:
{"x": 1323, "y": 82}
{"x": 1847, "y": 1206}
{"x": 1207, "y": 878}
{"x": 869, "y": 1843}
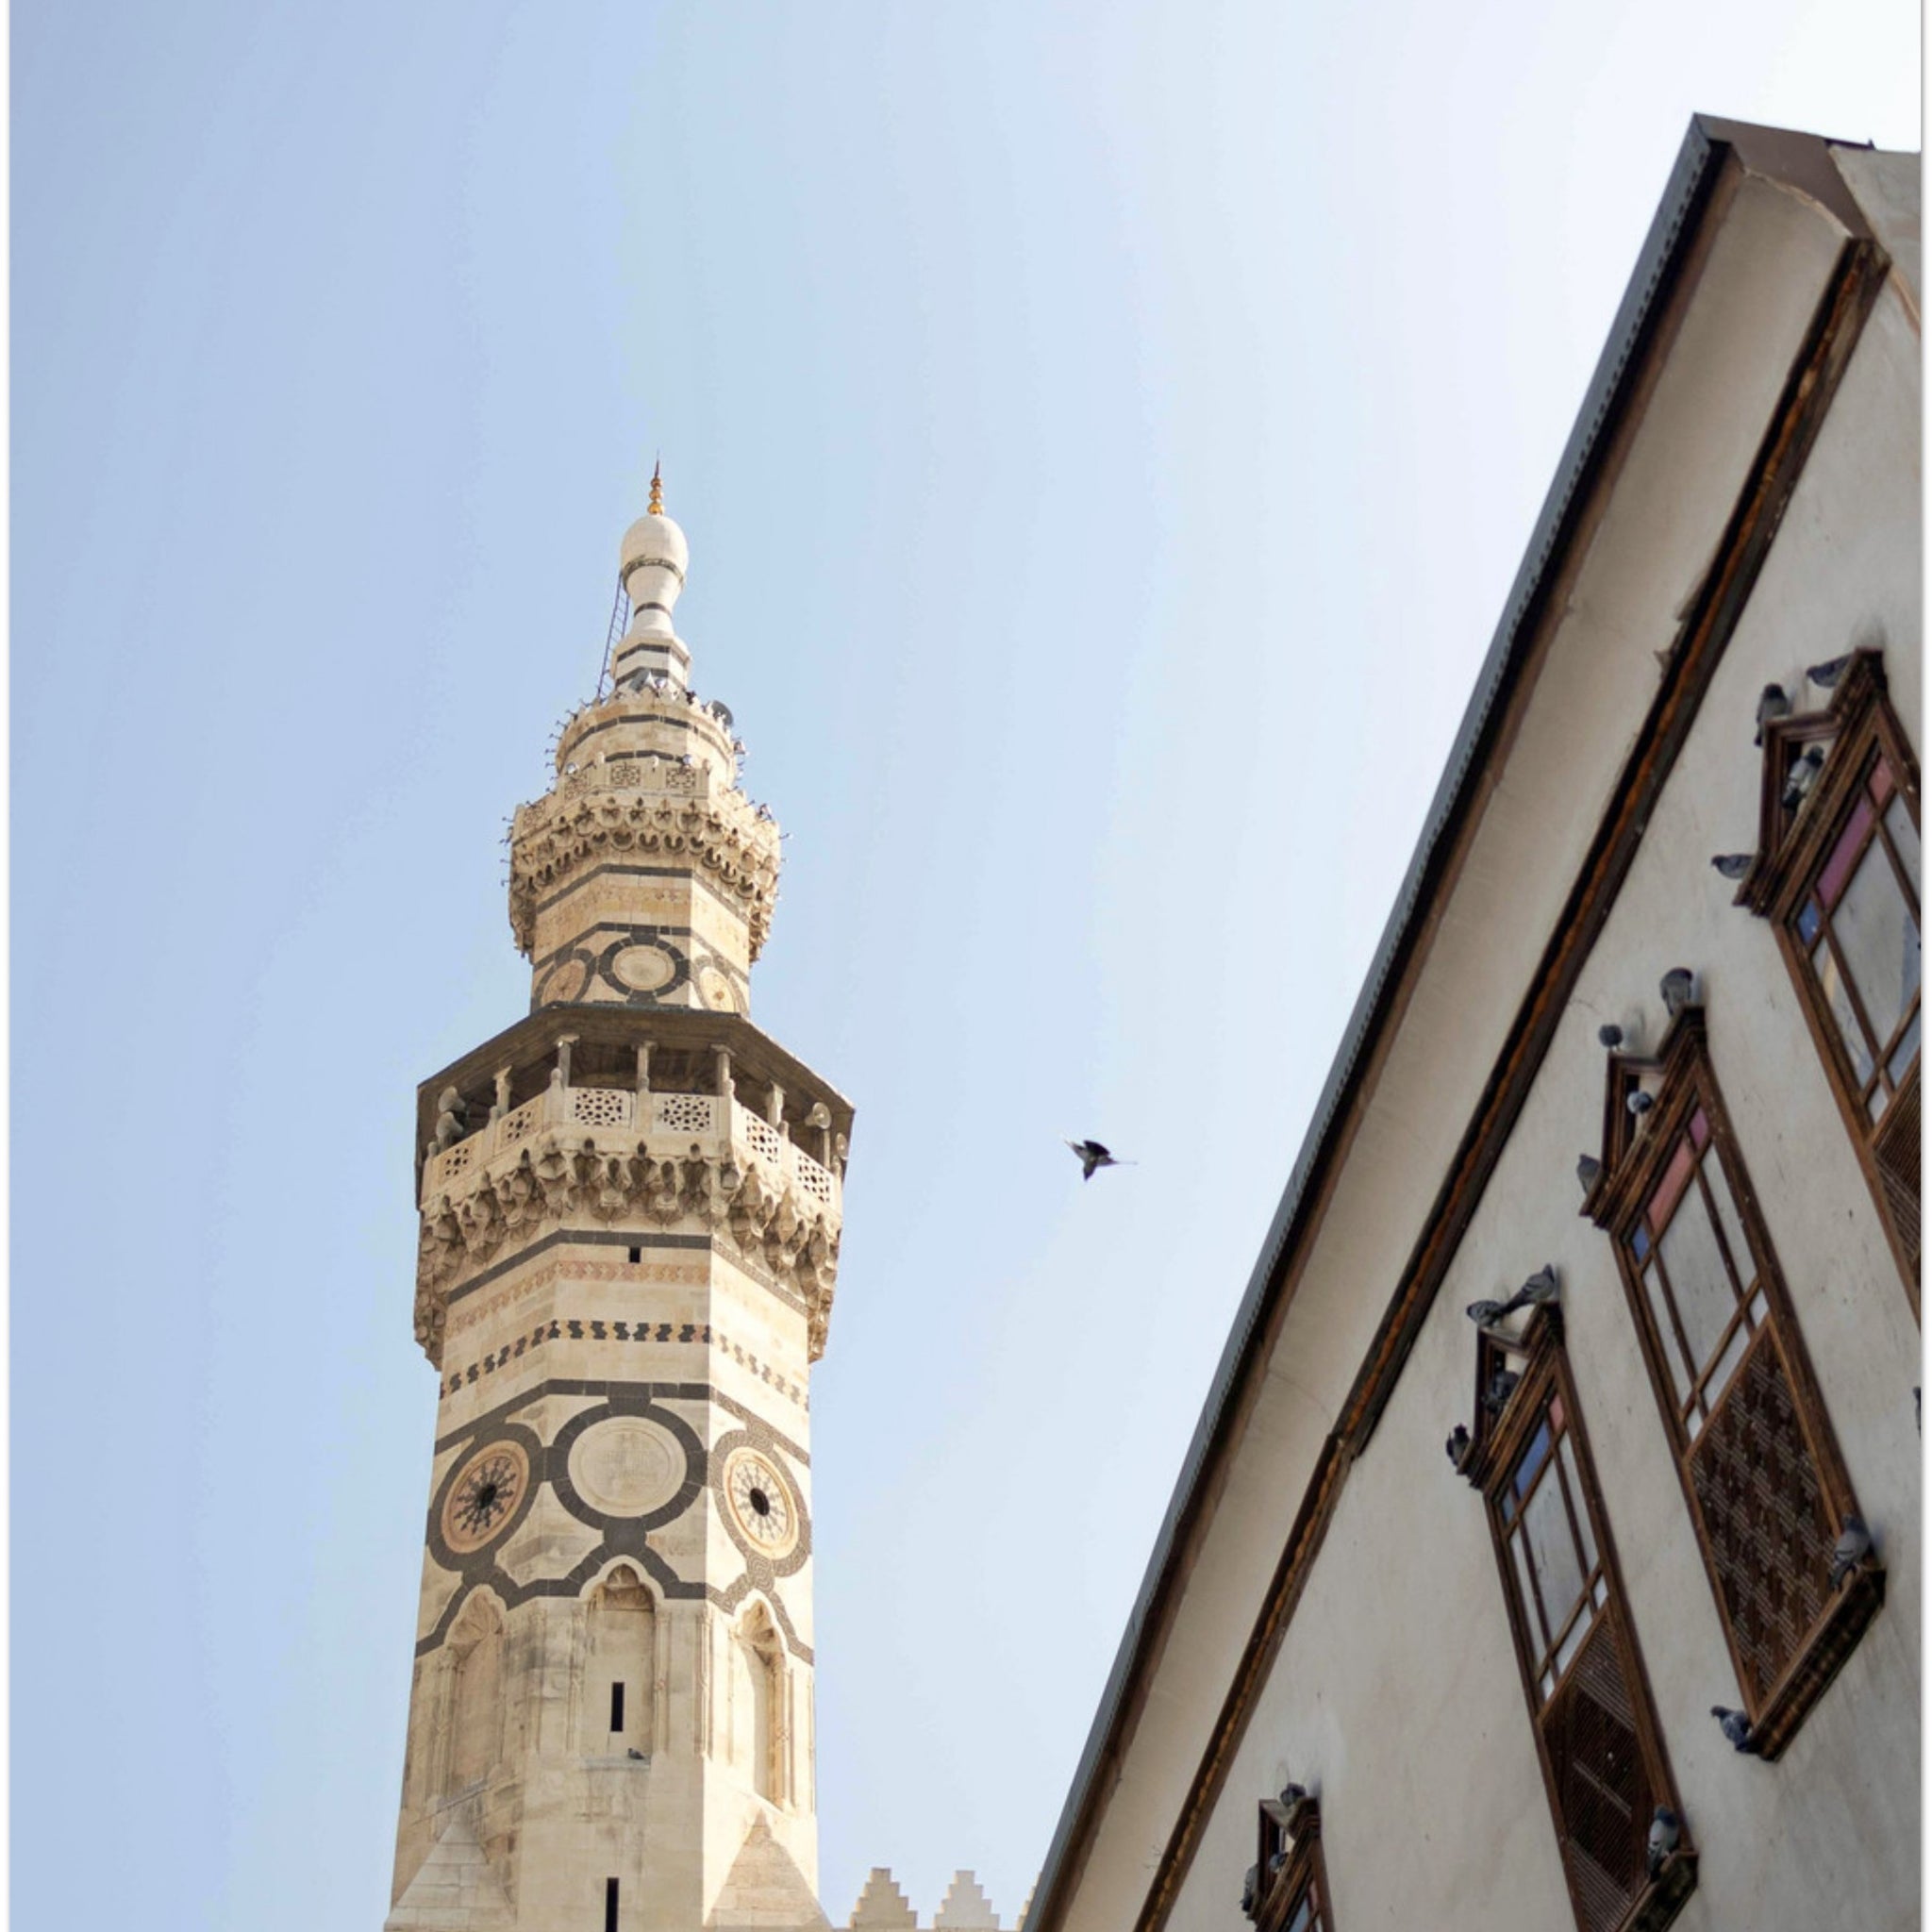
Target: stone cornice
{"x": 564, "y": 1175}
{"x": 716, "y": 834}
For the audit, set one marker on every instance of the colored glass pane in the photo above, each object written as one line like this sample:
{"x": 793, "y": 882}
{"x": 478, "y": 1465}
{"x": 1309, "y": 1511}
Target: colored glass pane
{"x": 1878, "y": 938}
{"x": 1552, "y": 1553}
{"x": 1905, "y": 1054}
{"x": 1533, "y": 1459}
{"x": 1532, "y": 1621}
{"x": 1880, "y": 783}
{"x": 1831, "y": 982}
{"x": 1578, "y": 1503}
{"x": 1729, "y": 1219}
{"x": 1727, "y": 1364}
{"x": 1700, "y": 1283}
{"x": 1670, "y": 1190}
{"x": 1904, "y": 836}
{"x": 1838, "y": 868}
{"x": 1666, "y": 1332}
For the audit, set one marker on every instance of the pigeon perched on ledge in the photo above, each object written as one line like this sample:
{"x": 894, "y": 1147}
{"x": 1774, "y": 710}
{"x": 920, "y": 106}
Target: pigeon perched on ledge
{"x": 1736, "y": 1729}
{"x": 1666, "y": 1831}
{"x": 1854, "y": 1546}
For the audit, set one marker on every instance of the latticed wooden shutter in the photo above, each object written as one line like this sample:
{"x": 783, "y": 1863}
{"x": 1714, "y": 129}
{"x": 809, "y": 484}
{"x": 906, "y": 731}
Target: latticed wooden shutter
{"x": 1764, "y": 1516}
{"x": 1895, "y": 1150}
{"x": 1603, "y": 1795}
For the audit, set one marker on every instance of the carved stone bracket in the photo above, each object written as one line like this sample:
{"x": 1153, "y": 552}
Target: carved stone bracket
{"x": 719, "y": 838}
{"x": 564, "y": 1175}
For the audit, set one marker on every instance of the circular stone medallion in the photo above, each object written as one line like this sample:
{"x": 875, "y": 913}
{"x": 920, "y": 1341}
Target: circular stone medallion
{"x": 626, "y": 1465}
{"x": 761, "y": 1503}
{"x": 485, "y": 1496}
{"x": 716, "y": 989}
{"x": 643, "y": 969}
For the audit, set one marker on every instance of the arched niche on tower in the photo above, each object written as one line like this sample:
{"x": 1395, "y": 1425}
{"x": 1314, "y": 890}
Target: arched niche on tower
{"x": 754, "y": 1702}
{"x": 618, "y": 1709}
{"x": 474, "y": 1701}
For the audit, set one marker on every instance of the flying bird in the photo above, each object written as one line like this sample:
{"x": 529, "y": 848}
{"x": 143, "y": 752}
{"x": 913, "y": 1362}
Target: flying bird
{"x": 1854, "y": 1546}
{"x": 1827, "y": 675}
{"x": 1773, "y": 704}
{"x": 1666, "y": 1829}
{"x": 1736, "y": 1729}
{"x": 1091, "y": 1155}
{"x": 1733, "y": 865}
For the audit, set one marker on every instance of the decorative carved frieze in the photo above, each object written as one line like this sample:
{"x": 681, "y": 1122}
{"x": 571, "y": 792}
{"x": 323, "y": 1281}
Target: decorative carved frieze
{"x": 718, "y": 836}
{"x": 564, "y": 1174}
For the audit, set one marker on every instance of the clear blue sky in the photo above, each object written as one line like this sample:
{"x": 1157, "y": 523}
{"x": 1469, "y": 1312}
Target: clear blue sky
{"x": 1106, "y": 434}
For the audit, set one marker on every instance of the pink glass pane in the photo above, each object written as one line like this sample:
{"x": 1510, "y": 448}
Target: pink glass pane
{"x": 1670, "y": 1190}
{"x": 1555, "y": 1411}
{"x": 1839, "y": 867}
{"x": 1700, "y": 1127}
{"x": 1880, "y": 782}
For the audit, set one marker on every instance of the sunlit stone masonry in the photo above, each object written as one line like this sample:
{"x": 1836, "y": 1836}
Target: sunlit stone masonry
{"x": 631, "y": 1206}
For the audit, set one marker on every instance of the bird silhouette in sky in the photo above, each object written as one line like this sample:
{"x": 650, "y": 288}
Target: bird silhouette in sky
{"x": 1091, "y": 1155}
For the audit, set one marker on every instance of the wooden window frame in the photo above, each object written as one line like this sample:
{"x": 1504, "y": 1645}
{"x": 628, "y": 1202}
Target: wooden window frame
{"x": 1289, "y": 1838}
{"x": 1794, "y": 846}
{"x": 1639, "y": 1151}
{"x": 1505, "y": 1433}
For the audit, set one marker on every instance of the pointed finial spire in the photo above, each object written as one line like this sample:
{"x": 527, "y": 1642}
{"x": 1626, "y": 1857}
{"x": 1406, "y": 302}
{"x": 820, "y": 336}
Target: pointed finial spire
{"x": 656, "y": 503}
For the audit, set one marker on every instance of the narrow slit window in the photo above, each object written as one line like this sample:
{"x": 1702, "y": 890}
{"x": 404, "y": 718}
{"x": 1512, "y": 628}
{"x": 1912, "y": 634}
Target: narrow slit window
{"x": 610, "y": 1905}
{"x": 617, "y": 1708}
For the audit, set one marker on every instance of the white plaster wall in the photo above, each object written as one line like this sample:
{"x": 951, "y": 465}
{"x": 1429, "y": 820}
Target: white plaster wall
{"x": 1396, "y": 1694}
{"x": 1679, "y": 481}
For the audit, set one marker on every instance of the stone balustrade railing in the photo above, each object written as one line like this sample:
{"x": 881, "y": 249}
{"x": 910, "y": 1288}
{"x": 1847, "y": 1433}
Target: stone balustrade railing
{"x": 636, "y": 774}
{"x": 667, "y": 1125}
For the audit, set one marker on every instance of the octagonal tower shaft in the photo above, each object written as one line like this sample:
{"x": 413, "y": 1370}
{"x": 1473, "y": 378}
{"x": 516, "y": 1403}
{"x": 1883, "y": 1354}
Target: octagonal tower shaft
{"x": 631, "y": 1204}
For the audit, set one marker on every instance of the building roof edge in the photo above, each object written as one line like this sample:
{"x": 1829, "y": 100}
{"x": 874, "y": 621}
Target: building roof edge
{"x": 1706, "y": 144}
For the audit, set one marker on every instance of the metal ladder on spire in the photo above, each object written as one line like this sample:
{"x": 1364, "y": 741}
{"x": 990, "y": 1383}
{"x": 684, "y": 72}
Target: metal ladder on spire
{"x": 619, "y": 623}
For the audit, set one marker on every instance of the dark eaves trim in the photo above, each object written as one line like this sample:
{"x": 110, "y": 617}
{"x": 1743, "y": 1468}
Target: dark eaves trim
{"x": 1705, "y": 147}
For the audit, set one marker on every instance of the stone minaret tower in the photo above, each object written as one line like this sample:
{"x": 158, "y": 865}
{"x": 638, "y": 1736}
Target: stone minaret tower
{"x": 630, "y": 1208}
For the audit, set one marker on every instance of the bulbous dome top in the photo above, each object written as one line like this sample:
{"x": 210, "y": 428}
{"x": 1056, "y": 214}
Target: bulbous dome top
{"x": 652, "y": 561}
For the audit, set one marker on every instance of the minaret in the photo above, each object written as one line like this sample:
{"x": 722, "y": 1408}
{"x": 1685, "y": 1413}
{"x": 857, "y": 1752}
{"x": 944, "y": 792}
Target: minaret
{"x": 631, "y": 1206}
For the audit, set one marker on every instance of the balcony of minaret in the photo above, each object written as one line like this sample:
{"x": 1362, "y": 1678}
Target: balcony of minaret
{"x": 644, "y": 877}
{"x": 602, "y": 1115}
